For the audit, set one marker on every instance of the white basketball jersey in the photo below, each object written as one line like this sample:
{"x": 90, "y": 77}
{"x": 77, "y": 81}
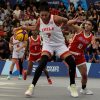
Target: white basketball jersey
{"x": 17, "y": 44}
{"x": 51, "y": 33}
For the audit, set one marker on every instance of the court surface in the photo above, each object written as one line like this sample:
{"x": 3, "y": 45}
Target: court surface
{"x": 14, "y": 89}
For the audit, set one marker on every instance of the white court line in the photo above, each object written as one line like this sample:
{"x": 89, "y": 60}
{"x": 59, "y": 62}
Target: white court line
{"x": 13, "y": 88}
{"x": 61, "y": 86}
{"x": 6, "y": 83}
{"x": 7, "y": 95}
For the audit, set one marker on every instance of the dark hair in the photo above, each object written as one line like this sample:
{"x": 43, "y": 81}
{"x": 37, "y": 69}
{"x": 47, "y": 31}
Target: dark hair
{"x": 44, "y": 6}
{"x": 71, "y": 4}
{"x": 91, "y": 21}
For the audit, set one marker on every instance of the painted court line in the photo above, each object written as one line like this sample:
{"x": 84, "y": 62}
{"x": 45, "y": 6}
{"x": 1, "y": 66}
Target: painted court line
{"x": 13, "y": 88}
{"x": 7, "y": 95}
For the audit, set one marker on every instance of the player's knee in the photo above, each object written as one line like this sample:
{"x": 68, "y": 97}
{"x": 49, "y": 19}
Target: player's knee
{"x": 70, "y": 61}
{"x": 84, "y": 76}
{"x": 43, "y": 61}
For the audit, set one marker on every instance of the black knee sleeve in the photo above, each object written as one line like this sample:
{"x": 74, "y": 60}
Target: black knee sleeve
{"x": 72, "y": 68}
{"x": 70, "y": 60}
{"x": 43, "y": 61}
{"x": 38, "y": 72}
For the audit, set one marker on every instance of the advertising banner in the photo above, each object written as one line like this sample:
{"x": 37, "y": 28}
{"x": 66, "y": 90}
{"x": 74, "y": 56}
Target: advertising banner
{"x": 56, "y": 69}
{"x": 94, "y": 71}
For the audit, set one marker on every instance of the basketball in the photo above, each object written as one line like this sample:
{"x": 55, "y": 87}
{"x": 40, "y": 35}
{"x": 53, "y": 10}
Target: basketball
{"x": 21, "y": 35}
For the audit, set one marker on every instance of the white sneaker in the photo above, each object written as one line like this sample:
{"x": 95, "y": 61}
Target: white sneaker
{"x": 29, "y": 91}
{"x": 86, "y": 91}
{"x": 73, "y": 90}
{"x": 8, "y": 77}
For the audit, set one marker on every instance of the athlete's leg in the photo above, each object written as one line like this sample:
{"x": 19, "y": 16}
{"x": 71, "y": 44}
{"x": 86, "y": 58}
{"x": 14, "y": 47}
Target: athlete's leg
{"x": 11, "y": 68}
{"x": 83, "y": 71}
{"x": 47, "y": 75}
{"x": 28, "y": 71}
{"x": 38, "y": 72}
{"x": 64, "y": 53}
{"x": 42, "y": 65}
{"x": 30, "y": 65}
{"x": 20, "y": 68}
{"x": 72, "y": 70}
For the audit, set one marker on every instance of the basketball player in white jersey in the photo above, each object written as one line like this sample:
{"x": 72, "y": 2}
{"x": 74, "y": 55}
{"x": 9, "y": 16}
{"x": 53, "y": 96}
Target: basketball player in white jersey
{"x": 18, "y": 50}
{"x": 53, "y": 41}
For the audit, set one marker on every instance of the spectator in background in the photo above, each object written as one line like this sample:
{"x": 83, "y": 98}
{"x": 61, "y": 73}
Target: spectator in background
{"x": 61, "y": 6}
{"x": 87, "y": 55}
{"x": 95, "y": 17}
{"x": 94, "y": 57}
{"x": 97, "y": 35}
{"x": 17, "y": 11}
{"x": 98, "y": 7}
{"x": 80, "y": 10}
{"x": 72, "y": 9}
{"x": 91, "y": 7}
{"x": 34, "y": 12}
{"x": 2, "y": 14}
{"x": 15, "y": 20}
{"x": 4, "y": 47}
{"x": 94, "y": 52}
{"x": 2, "y": 33}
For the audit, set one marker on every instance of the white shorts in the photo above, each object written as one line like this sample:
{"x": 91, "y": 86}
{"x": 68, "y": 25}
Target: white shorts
{"x": 59, "y": 50}
{"x": 18, "y": 54}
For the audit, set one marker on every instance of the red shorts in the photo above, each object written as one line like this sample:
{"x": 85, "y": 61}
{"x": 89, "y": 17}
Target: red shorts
{"x": 34, "y": 58}
{"x": 79, "y": 59}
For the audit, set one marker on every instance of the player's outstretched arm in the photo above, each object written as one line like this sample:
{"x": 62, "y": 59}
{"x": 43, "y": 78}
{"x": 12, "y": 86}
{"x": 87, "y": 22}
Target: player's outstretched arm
{"x": 73, "y": 24}
{"x": 32, "y": 28}
{"x": 60, "y": 21}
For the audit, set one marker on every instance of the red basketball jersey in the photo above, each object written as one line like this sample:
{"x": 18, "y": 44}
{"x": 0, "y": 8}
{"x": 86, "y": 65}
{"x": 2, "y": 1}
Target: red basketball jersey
{"x": 80, "y": 42}
{"x": 35, "y": 45}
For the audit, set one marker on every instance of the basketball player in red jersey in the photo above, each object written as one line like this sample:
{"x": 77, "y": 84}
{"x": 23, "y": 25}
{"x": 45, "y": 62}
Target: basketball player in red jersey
{"x": 81, "y": 39}
{"x": 35, "y": 47}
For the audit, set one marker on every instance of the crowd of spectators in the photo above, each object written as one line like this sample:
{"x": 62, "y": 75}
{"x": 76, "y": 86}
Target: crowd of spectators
{"x": 27, "y": 14}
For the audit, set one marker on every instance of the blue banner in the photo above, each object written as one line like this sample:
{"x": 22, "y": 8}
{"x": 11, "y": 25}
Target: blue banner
{"x": 2, "y": 63}
{"x": 94, "y": 71}
{"x": 56, "y": 69}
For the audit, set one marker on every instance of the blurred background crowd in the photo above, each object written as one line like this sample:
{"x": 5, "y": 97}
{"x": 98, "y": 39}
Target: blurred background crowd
{"x": 26, "y": 12}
